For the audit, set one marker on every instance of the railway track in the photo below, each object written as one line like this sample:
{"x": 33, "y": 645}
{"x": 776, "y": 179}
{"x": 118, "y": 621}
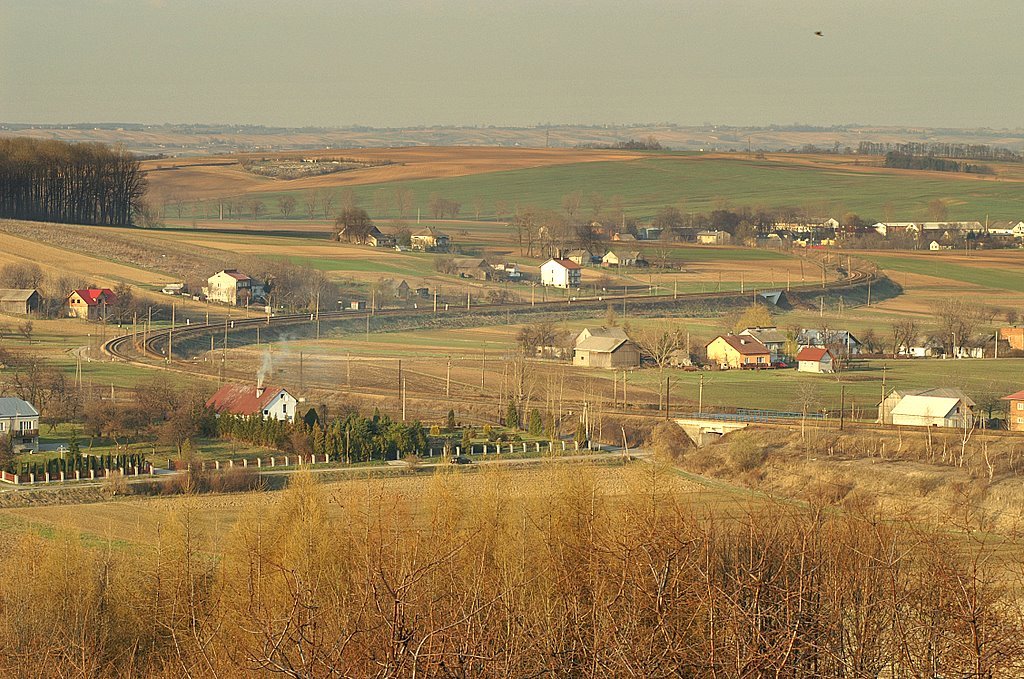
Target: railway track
{"x": 154, "y": 345}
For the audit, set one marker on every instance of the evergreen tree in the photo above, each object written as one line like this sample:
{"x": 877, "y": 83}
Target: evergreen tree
{"x": 467, "y": 441}
{"x": 451, "y": 421}
{"x": 512, "y": 415}
{"x": 581, "y": 434}
{"x": 536, "y": 426}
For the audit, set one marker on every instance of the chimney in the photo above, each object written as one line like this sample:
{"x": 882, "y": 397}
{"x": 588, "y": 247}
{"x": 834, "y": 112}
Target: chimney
{"x": 259, "y": 386}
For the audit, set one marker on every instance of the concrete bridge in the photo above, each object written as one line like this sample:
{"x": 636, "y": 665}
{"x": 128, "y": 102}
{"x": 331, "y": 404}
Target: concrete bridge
{"x": 701, "y": 430}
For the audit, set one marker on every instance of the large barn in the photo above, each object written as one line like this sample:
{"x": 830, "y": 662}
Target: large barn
{"x": 605, "y": 348}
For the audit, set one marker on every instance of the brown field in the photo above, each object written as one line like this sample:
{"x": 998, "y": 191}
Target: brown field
{"x": 199, "y": 179}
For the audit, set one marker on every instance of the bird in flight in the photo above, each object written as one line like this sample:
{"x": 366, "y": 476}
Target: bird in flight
{"x": 819, "y": 34}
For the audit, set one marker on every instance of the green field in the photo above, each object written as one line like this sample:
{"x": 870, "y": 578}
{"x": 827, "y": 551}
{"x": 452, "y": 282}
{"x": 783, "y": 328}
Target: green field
{"x": 703, "y": 184}
{"x": 988, "y": 277}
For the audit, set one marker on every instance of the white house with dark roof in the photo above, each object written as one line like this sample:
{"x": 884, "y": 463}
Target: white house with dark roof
{"x": 19, "y": 420}
{"x": 560, "y": 273}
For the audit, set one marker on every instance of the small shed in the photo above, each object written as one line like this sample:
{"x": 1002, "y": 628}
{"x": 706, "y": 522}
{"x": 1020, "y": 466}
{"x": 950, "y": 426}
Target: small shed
{"x": 18, "y": 301}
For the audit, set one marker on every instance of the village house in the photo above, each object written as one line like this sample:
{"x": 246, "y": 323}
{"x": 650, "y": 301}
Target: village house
{"x": 20, "y": 421}
{"x": 90, "y": 303}
{"x": 714, "y": 237}
{"x": 508, "y": 271}
{"x": 623, "y": 237}
{"x": 581, "y": 257}
{"x": 771, "y": 337}
{"x": 620, "y": 259}
{"x": 230, "y": 286}
{"x": 738, "y": 351}
{"x": 815, "y": 360}
{"x": 1015, "y": 416}
{"x": 430, "y": 239}
{"x": 924, "y": 407}
{"x": 22, "y": 302}
{"x": 560, "y": 273}
{"x": 244, "y": 400}
{"x": 379, "y": 239}
{"x": 605, "y": 348}
{"x": 841, "y": 341}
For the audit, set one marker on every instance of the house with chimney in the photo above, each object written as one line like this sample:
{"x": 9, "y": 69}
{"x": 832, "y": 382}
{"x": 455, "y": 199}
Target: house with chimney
{"x": 90, "y": 303}
{"x": 1015, "y": 417}
{"x": 19, "y": 420}
{"x": 246, "y": 400}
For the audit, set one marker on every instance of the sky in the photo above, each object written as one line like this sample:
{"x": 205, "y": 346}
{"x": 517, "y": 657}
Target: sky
{"x": 394, "y": 63}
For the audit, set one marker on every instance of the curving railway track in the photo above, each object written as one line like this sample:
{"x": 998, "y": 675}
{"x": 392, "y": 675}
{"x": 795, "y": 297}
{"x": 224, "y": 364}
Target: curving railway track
{"x": 154, "y": 346}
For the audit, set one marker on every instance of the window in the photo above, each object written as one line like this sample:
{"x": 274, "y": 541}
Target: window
{"x": 3, "y": 426}
{"x": 25, "y": 425}
{"x": 1020, "y": 405}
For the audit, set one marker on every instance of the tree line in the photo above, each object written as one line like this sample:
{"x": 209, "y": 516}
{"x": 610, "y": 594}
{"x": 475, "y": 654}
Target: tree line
{"x": 71, "y": 183}
{"x": 940, "y": 150}
{"x": 906, "y": 161}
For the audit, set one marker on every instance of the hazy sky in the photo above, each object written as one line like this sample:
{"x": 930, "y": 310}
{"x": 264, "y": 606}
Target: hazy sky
{"x": 513, "y": 62}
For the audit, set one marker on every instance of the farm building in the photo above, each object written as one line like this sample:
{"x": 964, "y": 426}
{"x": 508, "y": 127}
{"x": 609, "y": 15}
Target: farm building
{"x": 1015, "y": 416}
{"x": 473, "y": 268}
{"x": 624, "y": 237}
{"x": 925, "y": 400}
{"x": 605, "y": 348}
{"x": 402, "y": 290}
{"x": 269, "y": 403}
{"x": 18, "y": 301}
{"x": 931, "y": 411}
{"x": 90, "y": 303}
{"x": 430, "y": 239}
{"x": 230, "y": 286}
{"x": 814, "y": 360}
{"x": 714, "y": 237}
{"x": 20, "y": 420}
{"x": 771, "y": 337}
{"x": 840, "y": 340}
{"x": 560, "y": 273}
{"x": 738, "y": 351}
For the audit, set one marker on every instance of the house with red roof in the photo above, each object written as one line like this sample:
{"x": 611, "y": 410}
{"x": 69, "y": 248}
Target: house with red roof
{"x": 244, "y": 400}
{"x": 738, "y": 351}
{"x": 560, "y": 273}
{"x": 90, "y": 303}
{"x": 1015, "y": 418}
{"x": 815, "y": 360}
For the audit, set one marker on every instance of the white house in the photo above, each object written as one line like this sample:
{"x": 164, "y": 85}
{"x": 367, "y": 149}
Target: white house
{"x": 230, "y": 286}
{"x": 268, "y": 403}
{"x": 815, "y": 360}
{"x": 560, "y": 273}
{"x": 20, "y": 420}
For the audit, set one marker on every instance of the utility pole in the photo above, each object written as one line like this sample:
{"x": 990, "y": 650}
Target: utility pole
{"x": 842, "y": 406}
{"x": 435, "y": 300}
{"x": 400, "y": 381}
{"x": 170, "y": 336}
{"x": 448, "y": 379}
{"x": 700, "y": 396}
{"x": 403, "y": 399}
{"x": 666, "y": 396}
{"x": 348, "y": 369}
{"x": 301, "y": 377}
{"x": 623, "y": 301}
{"x": 318, "y": 314}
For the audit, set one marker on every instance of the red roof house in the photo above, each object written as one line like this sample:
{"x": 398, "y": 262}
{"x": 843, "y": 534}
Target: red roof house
{"x": 814, "y": 360}
{"x": 90, "y": 303}
{"x": 246, "y": 401}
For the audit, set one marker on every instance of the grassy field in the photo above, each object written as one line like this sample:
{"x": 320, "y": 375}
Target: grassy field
{"x": 697, "y": 183}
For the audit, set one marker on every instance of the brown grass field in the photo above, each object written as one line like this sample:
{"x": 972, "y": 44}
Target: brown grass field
{"x": 201, "y": 178}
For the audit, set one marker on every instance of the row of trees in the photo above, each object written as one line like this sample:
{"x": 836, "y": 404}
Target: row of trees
{"x": 353, "y": 438}
{"x": 73, "y": 183}
{"x": 940, "y": 150}
{"x": 906, "y": 161}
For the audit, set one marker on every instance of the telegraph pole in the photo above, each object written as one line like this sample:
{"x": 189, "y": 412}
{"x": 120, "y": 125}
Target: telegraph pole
{"x": 448, "y": 379}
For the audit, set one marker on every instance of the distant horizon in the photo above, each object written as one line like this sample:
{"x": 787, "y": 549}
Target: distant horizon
{"x": 415, "y": 63}
{"x": 533, "y": 126}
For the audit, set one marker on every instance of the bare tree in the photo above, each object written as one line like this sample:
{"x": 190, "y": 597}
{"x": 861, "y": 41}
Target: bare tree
{"x": 286, "y": 205}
